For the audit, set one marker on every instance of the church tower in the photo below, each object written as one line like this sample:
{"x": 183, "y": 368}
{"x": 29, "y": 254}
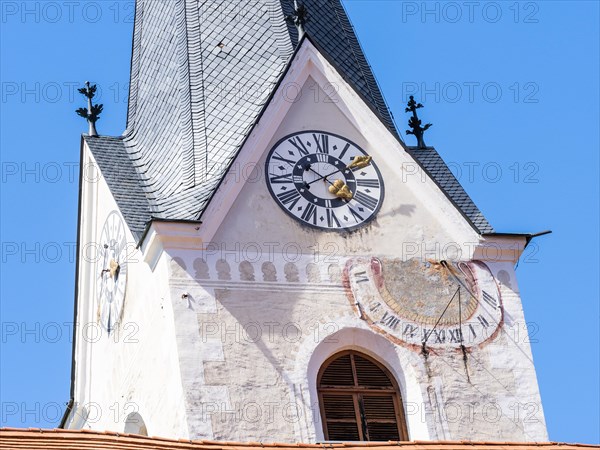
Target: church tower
{"x": 262, "y": 258}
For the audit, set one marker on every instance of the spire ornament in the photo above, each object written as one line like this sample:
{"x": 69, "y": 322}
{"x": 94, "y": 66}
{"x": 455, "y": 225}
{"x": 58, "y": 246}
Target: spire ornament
{"x": 92, "y": 113}
{"x": 298, "y": 18}
{"x": 415, "y": 123}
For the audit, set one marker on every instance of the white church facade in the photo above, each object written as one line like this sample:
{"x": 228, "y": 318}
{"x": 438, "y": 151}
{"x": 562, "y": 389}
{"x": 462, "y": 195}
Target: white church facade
{"x": 264, "y": 259}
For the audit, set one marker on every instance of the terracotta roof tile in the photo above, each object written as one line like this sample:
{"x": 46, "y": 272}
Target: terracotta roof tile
{"x": 32, "y": 438}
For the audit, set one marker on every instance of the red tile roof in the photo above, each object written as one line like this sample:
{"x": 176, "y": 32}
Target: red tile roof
{"x": 31, "y": 439}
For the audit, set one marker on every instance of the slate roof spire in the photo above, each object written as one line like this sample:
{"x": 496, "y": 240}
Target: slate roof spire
{"x": 192, "y": 104}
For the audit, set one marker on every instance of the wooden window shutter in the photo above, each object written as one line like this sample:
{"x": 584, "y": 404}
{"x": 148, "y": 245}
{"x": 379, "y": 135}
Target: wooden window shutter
{"x": 359, "y": 400}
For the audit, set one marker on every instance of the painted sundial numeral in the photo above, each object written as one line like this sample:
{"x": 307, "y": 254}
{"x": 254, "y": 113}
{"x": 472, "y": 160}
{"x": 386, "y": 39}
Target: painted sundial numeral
{"x": 439, "y": 336}
{"x": 361, "y": 277}
{"x": 483, "y": 321}
{"x": 473, "y": 333}
{"x": 455, "y": 336}
{"x": 410, "y": 331}
{"x": 490, "y": 300}
{"x": 390, "y": 320}
{"x": 374, "y": 307}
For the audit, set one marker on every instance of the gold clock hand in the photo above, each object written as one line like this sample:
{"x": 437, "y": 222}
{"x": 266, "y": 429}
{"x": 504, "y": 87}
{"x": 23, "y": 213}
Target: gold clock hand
{"x": 114, "y": 268}
{"x": 341, "y": 190}
{"x": 360, "y": 162}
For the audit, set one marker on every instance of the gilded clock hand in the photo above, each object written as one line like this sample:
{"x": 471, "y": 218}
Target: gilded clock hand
{"x": 359, "y": 162}
{"x": 341, "y": 190}
{"x": 114, "y": 270}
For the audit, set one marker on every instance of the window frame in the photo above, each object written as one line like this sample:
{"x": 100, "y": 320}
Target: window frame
{"x": 356, "y": 391}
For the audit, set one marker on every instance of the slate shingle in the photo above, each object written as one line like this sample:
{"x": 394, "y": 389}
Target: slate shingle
{"x": 434, "y": 165}
{"x": 192, "y": 103}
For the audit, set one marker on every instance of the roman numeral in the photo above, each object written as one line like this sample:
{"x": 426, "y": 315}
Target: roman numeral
{"x": 390, "y": 320}
{"x": 289, "y": 197}
{"x": 374, "y": 307}
{"x": 490, "y": 300}
{"x": 310, "y": 214}
{"x": 331, "y": 218}
{"x": 426, "y": 334}
{"x": 440, "y": 336}
{"x": 297, "y": 142}
{"x": 322, "y": 143}
{"x": 344, "y": 150}
{"x": 366, "y": 200}
{"x": 410, "y": 331}
{"x": 482, "y": 320}
{"x": 368, "y": 183}
{"x": 281, "y": 158}
{"x": 322, "y": 157}
{"x": 356, "y": 216}
{"x": 361, "y": 277}
{"x": 456, "y": 336}
{"x": 472, "y": 331}
{"x": 281, "y": 179}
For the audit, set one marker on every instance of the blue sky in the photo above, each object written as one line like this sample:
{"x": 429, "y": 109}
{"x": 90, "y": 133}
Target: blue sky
{"x": 511, "y": 88}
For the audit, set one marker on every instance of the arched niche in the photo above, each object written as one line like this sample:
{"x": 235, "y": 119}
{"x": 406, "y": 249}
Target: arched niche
{"x": 400, "y": 363}
{"x": 134, "y": 424}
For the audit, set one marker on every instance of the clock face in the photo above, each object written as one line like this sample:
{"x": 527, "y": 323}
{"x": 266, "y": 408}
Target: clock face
{"x": 324, "y": 180}
{"x": 112, "y": 271}
{"x": 443, "y": 304}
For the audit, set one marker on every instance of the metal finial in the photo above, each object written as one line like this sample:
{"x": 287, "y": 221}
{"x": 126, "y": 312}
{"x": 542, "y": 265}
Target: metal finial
{"x": 415, "y": 123}
{"x": 298, "y": 18}
{"x": 92, "y": 113}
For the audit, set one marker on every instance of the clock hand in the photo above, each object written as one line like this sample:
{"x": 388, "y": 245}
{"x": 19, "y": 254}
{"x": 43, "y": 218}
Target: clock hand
{"x": 359, "y": 162}
{"x": 341, "y": 190}
{"x": 309, "y": 167}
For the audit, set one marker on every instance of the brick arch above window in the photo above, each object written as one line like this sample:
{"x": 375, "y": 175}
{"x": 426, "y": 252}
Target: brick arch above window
{"x": 359, "y": 400}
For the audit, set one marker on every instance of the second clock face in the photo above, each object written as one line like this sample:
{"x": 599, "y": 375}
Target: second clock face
{"x": 309, "y": 174}
{"x": 112, "y": 271}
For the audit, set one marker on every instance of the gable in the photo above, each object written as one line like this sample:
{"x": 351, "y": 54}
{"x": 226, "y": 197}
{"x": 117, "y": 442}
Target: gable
{"x": 415, "y": 209}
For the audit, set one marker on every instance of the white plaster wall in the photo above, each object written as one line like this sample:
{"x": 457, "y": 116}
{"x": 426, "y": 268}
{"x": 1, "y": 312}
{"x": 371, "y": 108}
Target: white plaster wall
{"x": 225, "y": 357}
{"x": 136, "y": 367}
{"x": 231, "y": 391}
{"x": 259, "y": 345}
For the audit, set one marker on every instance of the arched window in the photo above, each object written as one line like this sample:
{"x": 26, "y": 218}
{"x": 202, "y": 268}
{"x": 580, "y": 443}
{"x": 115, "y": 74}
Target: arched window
{"x": 359, "y": 400}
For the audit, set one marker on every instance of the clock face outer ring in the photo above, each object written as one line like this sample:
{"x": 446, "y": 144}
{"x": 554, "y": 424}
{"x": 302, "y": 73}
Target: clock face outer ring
{"x": 117, "y": 302}
{"x": 359, "y": 303}
{"x": 372, "y": 216}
